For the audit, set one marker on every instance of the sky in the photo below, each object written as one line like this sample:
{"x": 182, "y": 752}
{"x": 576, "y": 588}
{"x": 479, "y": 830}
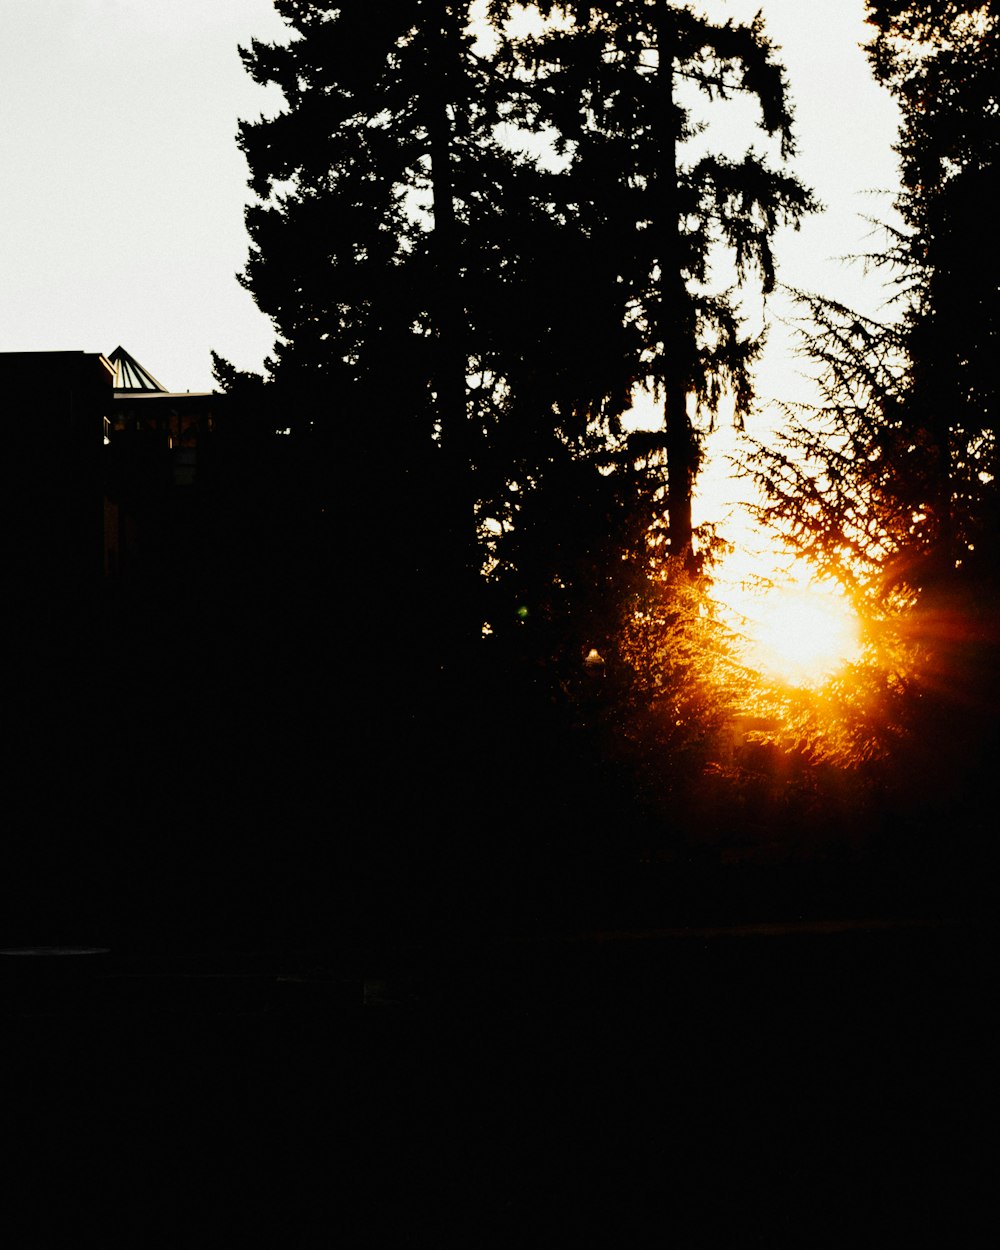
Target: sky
{"x": 121, "y": 187}
{"x": 845, "y": 128}
{"x": 122, "y": 190}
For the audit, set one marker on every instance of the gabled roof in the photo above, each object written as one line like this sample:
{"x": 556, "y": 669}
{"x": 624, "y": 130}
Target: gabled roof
{"x": 131, "y": 376}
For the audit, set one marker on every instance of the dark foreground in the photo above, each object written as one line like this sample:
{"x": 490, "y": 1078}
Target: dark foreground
{"x": 807, "y": 1084}
{"x": 274, "y": 972}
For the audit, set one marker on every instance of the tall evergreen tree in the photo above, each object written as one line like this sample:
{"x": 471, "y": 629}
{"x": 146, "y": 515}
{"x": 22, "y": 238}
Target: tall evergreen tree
{"x": 613, "y": 85}
{"x": 890, "y": 482}
{"x": 941, "y": 61}
{"x": 376, "y": 185}
{"x": 461, "y": 327}
{"x": 431, "y": 298}
{"x": 894, "y": 477}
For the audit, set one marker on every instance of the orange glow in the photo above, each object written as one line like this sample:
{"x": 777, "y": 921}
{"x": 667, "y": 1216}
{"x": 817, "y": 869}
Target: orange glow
{"x": 801, "y": 635}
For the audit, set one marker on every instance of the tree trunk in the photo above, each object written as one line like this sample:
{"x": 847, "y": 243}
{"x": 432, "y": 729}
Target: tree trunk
{"x": 677, "y": 327}
{"x": 456, "y": 502}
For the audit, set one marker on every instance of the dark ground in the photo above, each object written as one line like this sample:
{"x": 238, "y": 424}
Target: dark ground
{"x": 813, "y": 1086}
{"x": 222, "y": 1021}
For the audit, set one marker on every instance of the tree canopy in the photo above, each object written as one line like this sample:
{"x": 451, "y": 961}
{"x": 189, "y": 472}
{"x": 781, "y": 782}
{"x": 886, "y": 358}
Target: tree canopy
{"x": 614, "y": 87}
{"x": 893, "y": 478}
{"x": 889, "y": 482}
{"x": 468, "y": 320}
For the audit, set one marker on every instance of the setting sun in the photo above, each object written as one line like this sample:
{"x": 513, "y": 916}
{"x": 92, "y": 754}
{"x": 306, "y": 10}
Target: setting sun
{"x": 801, "y": 635}
{"x": 789, "y": 626}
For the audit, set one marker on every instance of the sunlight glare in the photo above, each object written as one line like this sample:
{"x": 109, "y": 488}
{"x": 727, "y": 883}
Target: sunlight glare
{"x": 802, "y": 635}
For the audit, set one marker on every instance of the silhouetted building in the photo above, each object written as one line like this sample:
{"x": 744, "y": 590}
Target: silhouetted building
{"x": 157, "y": 453}
{"x": 56, "y": 406}
{"x": 82, "y": 428}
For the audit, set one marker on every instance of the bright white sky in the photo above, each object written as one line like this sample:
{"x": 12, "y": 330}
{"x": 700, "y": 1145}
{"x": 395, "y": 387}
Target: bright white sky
{"x": 121, "y": 186}
{"x": 122, "y": 190}
{"x": 845, "y": 127}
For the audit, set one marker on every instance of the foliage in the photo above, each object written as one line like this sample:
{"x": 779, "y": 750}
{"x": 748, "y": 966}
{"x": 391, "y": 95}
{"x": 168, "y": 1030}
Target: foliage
{"x": 436, "y": 316}
{"x": 845, "y": 479}
{"x": 684, "y": 677}
{"x": 941, "y": 62}
{"x": 461, "y": 323}
{"x": 610, "y": 86}
{"x": 475, "y": 255}
{"x": 892, "y": 477}
{"x": 889, "y": 483}
{"x": 592, "y": 543}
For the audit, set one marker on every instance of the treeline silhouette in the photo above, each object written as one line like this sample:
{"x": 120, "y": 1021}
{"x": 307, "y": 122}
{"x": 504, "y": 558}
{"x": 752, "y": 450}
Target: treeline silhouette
{"x": 476, "y": 255}
{"x": 438, "y": 654}
{"x": 461, "y": 325}
{"x": 889, "y": 483}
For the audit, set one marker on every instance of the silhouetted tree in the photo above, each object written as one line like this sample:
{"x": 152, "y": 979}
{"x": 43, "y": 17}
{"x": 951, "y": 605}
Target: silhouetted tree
{"x": 892, "y": 478}
{"x": 941, "y": 61}
{"x": 612, "y": 85}
{"x": 402, "y": 254}
{"x": 461, "y": 324}
{"x": 889, "y": 482}
{"x": 371, "y": 184}
{"x": 431, "y": 299}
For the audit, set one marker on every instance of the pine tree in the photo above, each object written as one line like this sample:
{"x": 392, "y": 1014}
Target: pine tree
{"x": 941, "y": 61}
{"x": 373, "y": 238}
{"x": 431, "y": 299}
{"x": 889, "y": 482}
{"x": 612, "y": 84}
{"x": 462, "y": 325}
{"x": 893, "y": 477}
